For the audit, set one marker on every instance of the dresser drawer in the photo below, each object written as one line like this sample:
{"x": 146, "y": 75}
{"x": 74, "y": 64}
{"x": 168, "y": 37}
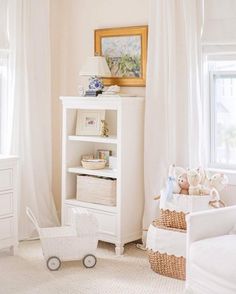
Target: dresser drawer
{"x": 6, "y": 203}
{"x": 106, "y": 221}
{"x": 6, "y": 228}
{"x": 6, "y": 179}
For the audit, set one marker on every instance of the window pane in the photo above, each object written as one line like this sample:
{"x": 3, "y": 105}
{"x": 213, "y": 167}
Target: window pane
{"x": 225, "y": 119}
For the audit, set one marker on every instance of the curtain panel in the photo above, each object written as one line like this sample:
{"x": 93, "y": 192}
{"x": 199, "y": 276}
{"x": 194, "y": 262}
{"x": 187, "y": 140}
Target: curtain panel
{"x": 174, "y": 117}
{"x": 28, "y": 108}
{"x": 4, "y": 29}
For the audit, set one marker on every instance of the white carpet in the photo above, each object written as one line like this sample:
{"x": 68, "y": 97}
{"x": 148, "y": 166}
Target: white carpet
{"x": 26, "y": 273}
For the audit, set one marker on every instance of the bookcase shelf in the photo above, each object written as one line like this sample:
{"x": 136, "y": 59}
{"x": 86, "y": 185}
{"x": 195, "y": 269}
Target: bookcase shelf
{"x": 122, "y": 223}
{"x": 105, "y": 172}
{"x": 95, "y": 139}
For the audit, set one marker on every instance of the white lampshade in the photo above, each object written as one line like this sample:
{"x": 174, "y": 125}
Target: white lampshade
{"x": 96, "y": 66}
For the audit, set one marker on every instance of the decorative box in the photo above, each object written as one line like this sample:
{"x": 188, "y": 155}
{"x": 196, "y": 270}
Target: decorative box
{"x": 96, "y": 190}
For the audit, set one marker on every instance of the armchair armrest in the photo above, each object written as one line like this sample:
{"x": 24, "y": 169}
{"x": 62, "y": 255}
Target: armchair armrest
{"x": 207, "y": 224}
{"x": 210, "y": 223}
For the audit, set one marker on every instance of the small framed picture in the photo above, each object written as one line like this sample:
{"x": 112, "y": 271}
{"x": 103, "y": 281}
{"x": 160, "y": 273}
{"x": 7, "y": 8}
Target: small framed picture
{"x": 89, "y": 122}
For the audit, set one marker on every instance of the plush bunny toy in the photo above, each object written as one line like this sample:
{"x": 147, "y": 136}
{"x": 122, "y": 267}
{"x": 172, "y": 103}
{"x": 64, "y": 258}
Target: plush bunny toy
{"x": 202, "y": 173}
{"x": 218, "y": 182}
{"x": 194, "y": 179}
{"x": 172, "y": 185}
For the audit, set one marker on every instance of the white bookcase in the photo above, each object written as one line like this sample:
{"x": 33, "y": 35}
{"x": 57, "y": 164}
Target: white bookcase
{"x": 122, "y": 223}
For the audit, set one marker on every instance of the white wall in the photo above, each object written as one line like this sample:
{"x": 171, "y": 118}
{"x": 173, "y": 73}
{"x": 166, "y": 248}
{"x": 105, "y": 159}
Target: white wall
{"x": 220, "y": 22}
{"x": 72, "y": 33}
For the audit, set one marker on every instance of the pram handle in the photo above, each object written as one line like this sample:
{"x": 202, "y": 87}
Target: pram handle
{"x": 32, "y": 218}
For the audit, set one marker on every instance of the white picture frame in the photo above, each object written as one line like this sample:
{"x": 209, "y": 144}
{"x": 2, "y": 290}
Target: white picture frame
{"x": 88, "y": 122}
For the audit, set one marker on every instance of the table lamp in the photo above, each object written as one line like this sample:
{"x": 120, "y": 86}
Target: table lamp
{"x": 95, "y": 67}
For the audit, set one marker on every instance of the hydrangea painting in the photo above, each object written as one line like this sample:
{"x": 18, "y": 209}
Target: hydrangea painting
{"x": 123, "y": 55}
{"x": 125, "y": 50}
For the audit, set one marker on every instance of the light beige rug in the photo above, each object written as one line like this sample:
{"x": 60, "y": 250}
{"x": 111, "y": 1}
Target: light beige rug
{"x": 26, "y": 273}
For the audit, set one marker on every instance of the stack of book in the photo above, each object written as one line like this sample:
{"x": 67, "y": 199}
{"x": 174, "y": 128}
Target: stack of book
{"x": 92, "y": 93}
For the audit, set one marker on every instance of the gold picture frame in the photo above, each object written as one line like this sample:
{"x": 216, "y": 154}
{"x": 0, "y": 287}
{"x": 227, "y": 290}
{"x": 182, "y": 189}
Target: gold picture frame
{"x": 128, "y": 67}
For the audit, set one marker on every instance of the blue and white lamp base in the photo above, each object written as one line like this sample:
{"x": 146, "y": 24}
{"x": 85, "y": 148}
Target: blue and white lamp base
{"x": 95, "y": 86}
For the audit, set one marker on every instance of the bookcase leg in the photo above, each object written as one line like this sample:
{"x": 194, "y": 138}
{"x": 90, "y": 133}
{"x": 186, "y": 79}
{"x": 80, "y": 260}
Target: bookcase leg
{"x": 119, "y": 249}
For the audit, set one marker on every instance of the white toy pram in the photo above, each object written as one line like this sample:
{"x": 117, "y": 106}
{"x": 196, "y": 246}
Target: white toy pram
{"x": 75, "y": 242}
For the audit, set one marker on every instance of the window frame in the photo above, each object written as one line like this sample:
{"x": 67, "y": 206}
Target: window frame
{"x": 213, "y": 75}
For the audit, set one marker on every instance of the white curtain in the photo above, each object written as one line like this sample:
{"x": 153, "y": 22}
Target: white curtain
{"x": 173, "y": 118}
{"x": 4, "y": 24}
{"x": 28, "y": 128}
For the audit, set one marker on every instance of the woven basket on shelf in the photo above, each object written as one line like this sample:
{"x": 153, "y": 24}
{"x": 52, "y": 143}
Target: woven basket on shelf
{"x": 165, "y": 264}
{"x": 173, "y": 219}
{"x": 93, "y": 163}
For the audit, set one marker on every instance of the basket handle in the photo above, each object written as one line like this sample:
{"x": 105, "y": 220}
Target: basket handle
{"x": 217, "y": 203}
{"x": 32, "y": 217}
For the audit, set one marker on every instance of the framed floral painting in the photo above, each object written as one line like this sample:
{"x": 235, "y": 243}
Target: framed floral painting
{"x": 125, "y": 50}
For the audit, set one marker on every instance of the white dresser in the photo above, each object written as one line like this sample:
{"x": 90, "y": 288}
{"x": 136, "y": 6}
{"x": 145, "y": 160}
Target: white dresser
{"x": 8, "y": 203}
{"x": 121, "y": 223}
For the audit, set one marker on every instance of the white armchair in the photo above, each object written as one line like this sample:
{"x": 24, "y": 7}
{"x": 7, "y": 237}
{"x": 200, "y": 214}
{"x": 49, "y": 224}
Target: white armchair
{"x": 211, "y": 252}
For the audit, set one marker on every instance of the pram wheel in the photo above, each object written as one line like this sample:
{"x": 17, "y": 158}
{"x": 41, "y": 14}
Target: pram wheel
{"x": 89, "y": 261}
{"x": 53, "y": 263}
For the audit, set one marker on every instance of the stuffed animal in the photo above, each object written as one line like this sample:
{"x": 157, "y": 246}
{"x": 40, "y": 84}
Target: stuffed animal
{"x": 181, "y": 186}
{"x": 194, "y": 179}
{"x": 202, "y": 173}
{"x": 178, "y": 171}
{"x": 218, "y": 182}
{"x": 172, "y": 185}
{"x": 183, "y": 183}
{"x": 204, "y": 190}
{"x": 174, "y": 171}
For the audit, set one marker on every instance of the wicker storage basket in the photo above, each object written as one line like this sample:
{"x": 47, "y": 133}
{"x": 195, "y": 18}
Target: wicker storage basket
{"x": 174, "y": 210}
{"x": 96, "y": 190}
{"x": 167, "y": 264}
{"x": 173, "y": 219}
{"x": 93, "y": 163}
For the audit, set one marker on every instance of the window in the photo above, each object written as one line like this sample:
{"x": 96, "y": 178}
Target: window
{"x": 223, "y": 113}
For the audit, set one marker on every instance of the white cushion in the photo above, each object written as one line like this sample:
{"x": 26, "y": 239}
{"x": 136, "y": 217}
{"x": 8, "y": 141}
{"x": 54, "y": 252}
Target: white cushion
{"x": 233, "y": 231}
{"x": 215, "y": 259}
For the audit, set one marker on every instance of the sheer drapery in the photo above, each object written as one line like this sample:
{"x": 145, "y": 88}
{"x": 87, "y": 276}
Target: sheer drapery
{"x": 4, "y": 41}
{"x": 4, "y": 61}
{"x": 28, "y": 131}
{"x": 173, "y": 118}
